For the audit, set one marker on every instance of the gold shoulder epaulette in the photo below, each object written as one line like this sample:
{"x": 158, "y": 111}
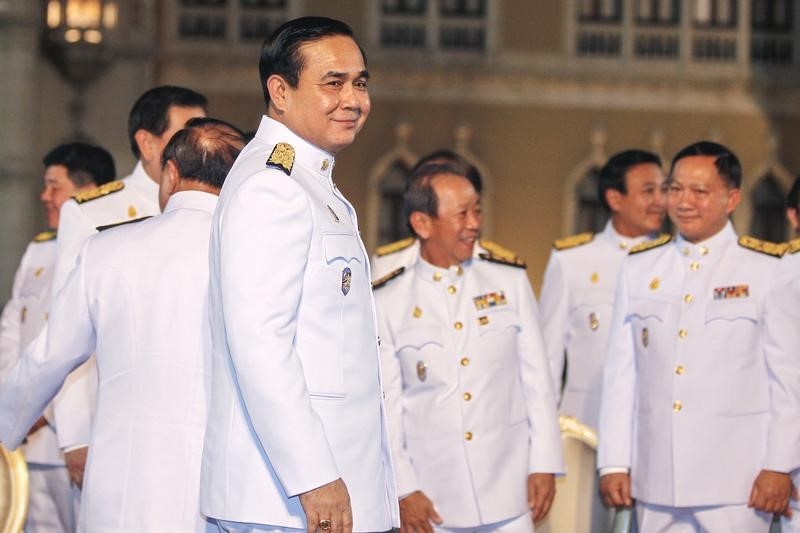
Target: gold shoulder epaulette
{"x": 573, "y": 241}
{"x": 380, "y": 282}
{"x": 765, "y": 247}
{"x": 395, "y": 246}
{"x": 116, "y": 224}
{"x": 516, "y": 262}
{"x": 661, "y": 240}
{"x": 497, "y": 250}
{"x": 792, "y": 247}
{"x": 282, "y": 158}
{"x": 98, "y": 192}
{"x": 45, "y": 236}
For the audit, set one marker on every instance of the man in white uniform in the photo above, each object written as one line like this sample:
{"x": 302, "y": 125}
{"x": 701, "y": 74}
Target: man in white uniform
{"x": 578, "y": 290}
{"x": 69, "y": 168}
{"x": 297, "y": 432}
{"x": 154, "y": 118}
{"x": 698, "y": 410}
{"x": 475, "y": 435}
{"x": 138, "y": 297}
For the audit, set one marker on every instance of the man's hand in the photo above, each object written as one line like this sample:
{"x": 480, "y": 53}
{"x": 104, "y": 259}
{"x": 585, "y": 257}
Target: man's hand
{"x": 615, "y": 489}
{"x": 771, "y": 493}
{"x": 417, "y": 513}
{"x": 76, "y": 464}
{"x": 39, "y": 424}
{"x": 328, "y": 502}
{"x": 541, "y": 491}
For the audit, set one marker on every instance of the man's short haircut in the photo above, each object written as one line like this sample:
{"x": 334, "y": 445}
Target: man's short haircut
{"x": 419, "y": 194}
{"x": 468, "y": 170}
{"x": 280, "y": 53}
{"x": 728, "y": 166}
{"x": 612, "y": 175}
{"x": 793, "y": 198}
{"x": 87, "y": 164}
{"x": 204, "y": 150}
{"x": 151, "y": 110}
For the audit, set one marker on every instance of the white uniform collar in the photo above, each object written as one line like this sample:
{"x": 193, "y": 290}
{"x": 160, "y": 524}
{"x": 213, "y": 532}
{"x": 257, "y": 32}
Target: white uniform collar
{"x": 204, "y": 201}
{"x": 620, "y": 242}
{"x": 709, "y": 246}
{"x": 312, "y": 158}
{"x": 436, "y": 274}
{"x": 140, "y": 181}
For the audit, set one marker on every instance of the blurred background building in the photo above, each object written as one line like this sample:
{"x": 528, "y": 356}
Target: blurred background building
{"x": 537, "y": 93}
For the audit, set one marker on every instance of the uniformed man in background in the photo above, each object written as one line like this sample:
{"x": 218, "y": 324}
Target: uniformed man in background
{"x": 475, "y": 435}
{"x": 139, "y": 297}
{"x": 578, "y": 291}
{"x": 698, "y": 409}
{"x": 69, "y": 169}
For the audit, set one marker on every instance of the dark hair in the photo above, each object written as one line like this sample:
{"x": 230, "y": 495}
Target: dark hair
{"x": 86, "y": 164}
{"x": 280, "y": 53}
{"x": 728, "y": 166}
{"x": 793, "y": 198}
{"x": 467, "y": 169}
{"x": 151, "y": 110}
{"x": 612, "y": 175}
{"x": 204, "y": 150}
{"x": 419, "y": 194}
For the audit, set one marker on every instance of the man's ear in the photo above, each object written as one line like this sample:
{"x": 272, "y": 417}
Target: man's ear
{"x": 144, "y": 140}
{"x": 171, "y": 177}
{"x": 614, "y": 199}
{"x": 793, "y": 218}
{"x": 278, "y": 90}
{"x": 421, "y": 223}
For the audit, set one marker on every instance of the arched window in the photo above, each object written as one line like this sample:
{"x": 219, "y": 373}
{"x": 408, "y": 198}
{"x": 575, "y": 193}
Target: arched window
{"x": 768, "y": 221}
{"x": 590, "y": 214}
{"x": 391, "y": 224}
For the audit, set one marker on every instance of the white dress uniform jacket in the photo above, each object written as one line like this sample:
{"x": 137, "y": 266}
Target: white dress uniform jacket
{"x": 51, "y": 506}
{"x": 296, "y": 398}
{"x": 471, "y": 404}
{"x": 138, "y": 197}
{"x": 576, "y": 302}
{"x": 695, "y": 401}
{"x": 138, "y": 297}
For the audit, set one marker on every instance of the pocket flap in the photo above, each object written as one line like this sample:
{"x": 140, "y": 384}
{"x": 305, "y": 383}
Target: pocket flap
{"x": 649, "y": 308}
{"x": 498, "y": 320}
{"x": 341, "y": 246}
{"x": 418, "y": 336}
{"x": 732, "y": 310}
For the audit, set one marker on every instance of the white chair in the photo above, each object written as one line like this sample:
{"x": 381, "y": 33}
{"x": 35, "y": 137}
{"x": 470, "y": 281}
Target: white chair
{"x": 13, "y": 491}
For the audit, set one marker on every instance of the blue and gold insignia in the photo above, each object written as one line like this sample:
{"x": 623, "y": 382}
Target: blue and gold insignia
{"x": 395, "y": 246}
{"x": 490, "y": 299}
{"x": 422, "y": 370}
{"x": 483, "y": 320}
{"x": 645, "y": 337}
{"x": 573, "y": 241}
{"x": 347, "y": 278}
{"x": 765, "y": 247}
{"x": 98, "y": 192}
{"x": 519, "y": 263}
{"x": 116, "y": 224}
{"x": 661, "y": 240}
{"x": 735, "y": 291}
{"x": 594, "y": 323}
{"x": 380, "y": 282}
{"x": 282, "y": 158}
{"x": 45, "y": 236}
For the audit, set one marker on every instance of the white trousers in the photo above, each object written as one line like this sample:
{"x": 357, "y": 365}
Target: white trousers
{"x": 53, "y": 501}
{"x": 711, "y": 519}
{"x": 520, "y": 524}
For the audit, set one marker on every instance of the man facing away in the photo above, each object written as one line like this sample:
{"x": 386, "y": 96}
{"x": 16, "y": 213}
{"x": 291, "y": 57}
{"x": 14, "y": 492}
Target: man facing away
{"x": 699, "y": 410}
{"x": 138, "y": 298}
{"x": 70, "y": 169}
{"x": 578, "y": 291}
{"x": 475, "y": 435}
{"x": 296, "y": 433}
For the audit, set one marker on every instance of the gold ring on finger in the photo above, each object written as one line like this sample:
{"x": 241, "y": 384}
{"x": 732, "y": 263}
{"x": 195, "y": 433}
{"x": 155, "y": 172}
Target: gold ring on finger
{"x": 324, "y": 525}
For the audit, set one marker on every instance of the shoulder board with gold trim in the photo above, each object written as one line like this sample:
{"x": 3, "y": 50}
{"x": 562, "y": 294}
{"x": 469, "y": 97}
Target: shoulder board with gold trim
{"x": 661, "y": 240}
{"x": 395, "y": 246}
{"x": 765, "y": 247}
{"x": 282, "y": 158}
{"x": 45, "y": 236}
{"x": 497, "y": 250}
{"x": 99, "y": 192}
{"x": 573, "y": 241}
{"x": 516, "y": 262}
{"x": 792, "y": 247}
{"x": 117, "y": 224}
{"x": 380, "y": 282}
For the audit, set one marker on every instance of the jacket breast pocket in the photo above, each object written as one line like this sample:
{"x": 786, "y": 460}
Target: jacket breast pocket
{"x": 648, "y": 316}
{"x": 731, "y": 310}
{"x": 341, "y": 247}
{"x": 419, "y": 349}
{"x": 498, "y": 322}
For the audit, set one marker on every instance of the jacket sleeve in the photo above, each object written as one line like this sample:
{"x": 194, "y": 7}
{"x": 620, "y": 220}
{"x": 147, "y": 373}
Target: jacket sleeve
{"x": 10, "y": 323}
{"x": 264, "y": 237}
{"x": 615, "y": 434}
{"x": 554, "y": 307}
{"x": 546, "y": 455}
{"x": 39, "y": 373}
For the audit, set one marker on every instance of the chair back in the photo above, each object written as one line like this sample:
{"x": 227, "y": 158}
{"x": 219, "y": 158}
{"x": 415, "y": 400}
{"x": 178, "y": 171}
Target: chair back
{"x": 13, "y": 491}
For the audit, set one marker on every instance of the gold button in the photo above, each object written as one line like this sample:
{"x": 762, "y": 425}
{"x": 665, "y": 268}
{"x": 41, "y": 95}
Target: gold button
{"x": 703, "y": 250}
{"x": 417, "y": 312}
{"x": 465, "y": 361}
{"x": 685, "y": 251}
{"x": 695, "y": 266}
{"x": 688, "y": 298}
{"x": 677, "y": 406}
{"x": 467, "y": 396}
{"x": 437, "y": 276}
{"x": 682, "y": 333}
{"x": 459, "y": 270}
{"x": 623, "y": 245}
{"x": 679, "y": 369}
{"x": 458, "y": 325}
{"x": 468, "y": 435}
{"x": 451, "y": 289}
